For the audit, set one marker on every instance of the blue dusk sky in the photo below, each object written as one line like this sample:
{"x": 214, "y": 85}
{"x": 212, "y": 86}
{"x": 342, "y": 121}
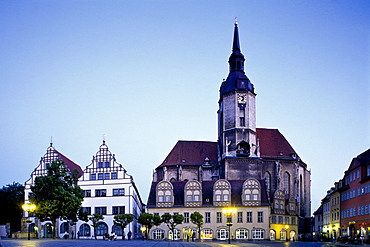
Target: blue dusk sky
{"x": 147, "y": 74}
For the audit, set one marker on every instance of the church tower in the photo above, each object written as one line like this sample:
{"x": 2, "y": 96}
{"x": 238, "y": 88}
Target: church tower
{"x": 237, "y": 110}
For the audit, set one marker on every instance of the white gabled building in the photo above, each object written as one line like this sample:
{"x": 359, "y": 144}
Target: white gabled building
{"x": 109, "y": 190}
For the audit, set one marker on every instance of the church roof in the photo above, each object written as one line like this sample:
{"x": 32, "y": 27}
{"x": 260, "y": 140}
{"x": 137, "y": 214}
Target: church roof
{"x": 191, "y": 153}
{"x": 274, "y": 145}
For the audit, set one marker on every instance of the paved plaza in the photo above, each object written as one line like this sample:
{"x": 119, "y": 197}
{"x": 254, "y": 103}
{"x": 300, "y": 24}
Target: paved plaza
{"x": 62, "y": 242}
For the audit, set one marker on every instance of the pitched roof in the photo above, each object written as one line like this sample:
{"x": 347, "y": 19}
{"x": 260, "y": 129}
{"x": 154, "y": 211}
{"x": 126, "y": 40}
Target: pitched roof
{"x": 70, "y": 164}
{"x": 274, "y": 145}
{"x": 191, "y": 153}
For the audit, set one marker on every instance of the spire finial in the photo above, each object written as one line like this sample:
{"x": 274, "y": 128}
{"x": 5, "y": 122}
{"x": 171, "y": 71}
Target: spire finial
{"x": 51, "y": 141}
{"x": 236, "y": 20}
{"x": 104, "y": 135}
{"x": 236, "y": 45}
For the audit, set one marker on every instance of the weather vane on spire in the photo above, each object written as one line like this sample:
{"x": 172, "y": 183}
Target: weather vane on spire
{"x": 51, "y": 141}
{"x": 104, "y": 135}
{"x": 236, "y": 20}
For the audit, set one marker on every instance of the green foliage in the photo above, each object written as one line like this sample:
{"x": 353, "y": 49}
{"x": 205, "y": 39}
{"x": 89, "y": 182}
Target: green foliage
{"x": 11, "y": 200}
{"x": 172, "y": 220}
{"x": 197, "y": 219}
{"x": 95, "y": 218}
{"x": 123, "y": 220}
{"x": 149, "y": 220}
{"x": 82, "y": 215}
{"x": 57, "y": 194}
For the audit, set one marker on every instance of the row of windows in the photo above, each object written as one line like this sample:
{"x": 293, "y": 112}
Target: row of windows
{"x": 364, "y": 209}
{"x": 363, "y": 189}
{"x": 101, "y": 229}
{"x": 348, "y": 195}
{"x": 240, "y": 217}
{"x": 221, "y": 234}
{"x": 104, "y": 176}
{"x": 103, "y": 164}
{"x": 353, "y": 176}
{"x": 103, "y": 210}
{"x": 103, "y": 192}
{"x": 347, "y": 213}
{"x": 283, "y": 220}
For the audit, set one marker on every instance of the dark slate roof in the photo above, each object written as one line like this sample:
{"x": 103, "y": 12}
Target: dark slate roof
{"x": 365, "y": 154}
{"x": 207, "y": 193}
{"x": 274, "y": 145}
{"x": 236, "y": 80}
{"x": 318, "y": 211}
{"x": 70, "y": 164}
{"x": 191, "y": 153}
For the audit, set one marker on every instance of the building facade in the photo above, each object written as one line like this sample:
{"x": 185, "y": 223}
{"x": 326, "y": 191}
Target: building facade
{"x": 355, "y": 199}
{"x": 109, "y": 190}
{"x": 254, "y": 170}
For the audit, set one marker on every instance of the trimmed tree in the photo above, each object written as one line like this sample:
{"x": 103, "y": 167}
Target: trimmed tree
{"x": 95, "y": 218}
{"x": 172, "y": 221}
{"x": 123, "y": 220}
{"x": 149, "y": 220}
{"x": 57, "y": 194}
{"x": 197, "y": 219}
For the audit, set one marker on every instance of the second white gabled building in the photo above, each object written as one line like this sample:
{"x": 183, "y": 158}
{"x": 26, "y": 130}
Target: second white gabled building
{"x": 109, "y": 190}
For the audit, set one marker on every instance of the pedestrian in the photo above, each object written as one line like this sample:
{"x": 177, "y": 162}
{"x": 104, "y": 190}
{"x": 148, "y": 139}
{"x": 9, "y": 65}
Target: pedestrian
{"x": 129, "y": 234}
{"x": 78, "y": 235}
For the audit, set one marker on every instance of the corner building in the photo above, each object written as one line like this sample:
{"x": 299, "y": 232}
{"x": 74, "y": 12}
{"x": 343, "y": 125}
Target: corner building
{"x": 254, "y": 170}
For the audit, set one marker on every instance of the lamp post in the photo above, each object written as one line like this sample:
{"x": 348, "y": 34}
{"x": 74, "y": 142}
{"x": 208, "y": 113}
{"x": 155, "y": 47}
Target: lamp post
{"x": 286, "y": 233}
{"x": 28, "y": 208}
{"x": 143, "y": 230}
{"x": 229, "y": 212}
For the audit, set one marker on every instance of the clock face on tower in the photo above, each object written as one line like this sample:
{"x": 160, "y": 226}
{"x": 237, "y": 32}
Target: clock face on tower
{"x": 242, "y": 100}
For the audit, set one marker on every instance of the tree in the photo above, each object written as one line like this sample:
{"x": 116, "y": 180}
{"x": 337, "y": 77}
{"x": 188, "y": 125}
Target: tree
{"x": 149, "y": 220}
{"x": 11, "y": 200}
{"x": 95, "y": 221}
{"x": 197, "y": 219}
{"x": 172, "y": 221}
{"x": 57, "y": 194}
{"x": 123, "y": 220}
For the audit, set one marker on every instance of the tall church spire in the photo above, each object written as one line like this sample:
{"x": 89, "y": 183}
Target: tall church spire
{"x": 236, "y": 45}
{"x": 236, "y": 60}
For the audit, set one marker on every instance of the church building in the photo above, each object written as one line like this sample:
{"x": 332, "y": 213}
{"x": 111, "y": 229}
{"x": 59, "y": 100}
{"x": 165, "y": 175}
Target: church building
{"x": 254, "y": 171}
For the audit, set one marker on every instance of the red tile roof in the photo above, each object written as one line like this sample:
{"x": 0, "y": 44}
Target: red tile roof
{"x": 70, "y": 164}
{"x": 274, "y": 145}
{"x": 191, "y": 153}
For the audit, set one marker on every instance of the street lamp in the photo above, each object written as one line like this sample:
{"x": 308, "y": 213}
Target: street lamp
{"x": 28, "y": 208}
{"x": 143, "y": 230}
{"x": 229, "y": 212}
{"x": 286, "y": 234}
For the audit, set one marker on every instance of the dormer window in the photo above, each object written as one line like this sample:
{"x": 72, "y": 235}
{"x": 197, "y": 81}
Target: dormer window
{"x": 193, "y": 194}
{"x": 221, "y": 193}
{"x": 164, "y": 194}
{"x": 251, "y": 193}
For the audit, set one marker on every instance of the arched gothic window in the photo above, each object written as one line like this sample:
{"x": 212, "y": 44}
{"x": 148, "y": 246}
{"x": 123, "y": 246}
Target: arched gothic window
{"x": 222, "y": 193}
{"x": 193, "y": 194}
{"x": 267, "y": 177}
{"x": 251, "y": 195}
{"x": 286, "y": 182}
{"x": 165, "y": 194}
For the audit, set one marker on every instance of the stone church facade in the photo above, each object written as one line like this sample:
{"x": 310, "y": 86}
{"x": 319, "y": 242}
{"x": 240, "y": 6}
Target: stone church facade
{"x": 253, "y": 170}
